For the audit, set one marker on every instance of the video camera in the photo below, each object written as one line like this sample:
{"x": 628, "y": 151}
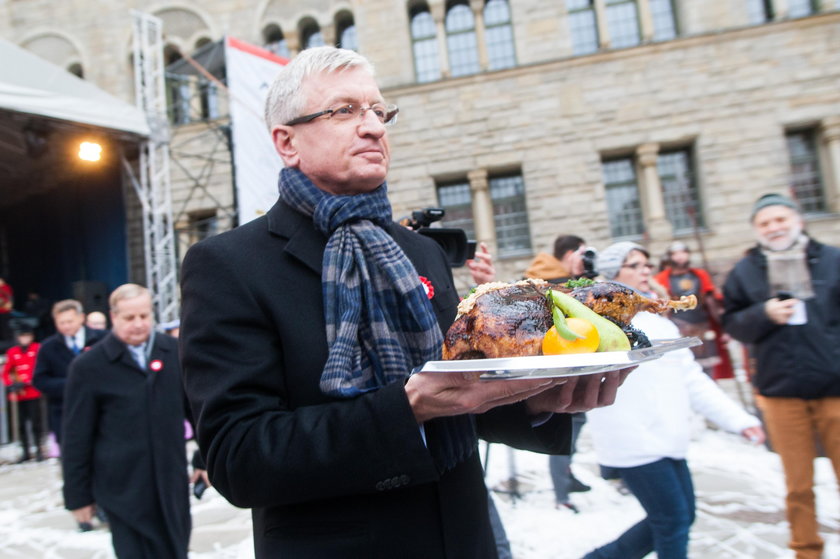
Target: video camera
{"x": 454, "y": 242}
{"x": 589, "y": 255}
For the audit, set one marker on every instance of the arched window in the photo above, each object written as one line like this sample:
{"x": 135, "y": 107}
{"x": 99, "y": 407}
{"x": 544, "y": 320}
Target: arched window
{"x": 275, "y": 41}
{"x": 310, "y": 34}
{"x": 424, "y": 44}
{"x": 345, "y": 28}
{"x": 178, "y": 89}
{"x": 499, "y": 35}
{"x": 460, "y": 40}
{"x": 76, "y": 70}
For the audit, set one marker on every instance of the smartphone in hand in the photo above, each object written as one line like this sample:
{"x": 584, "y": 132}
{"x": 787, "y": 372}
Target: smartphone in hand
{"x": 199, "y": 487}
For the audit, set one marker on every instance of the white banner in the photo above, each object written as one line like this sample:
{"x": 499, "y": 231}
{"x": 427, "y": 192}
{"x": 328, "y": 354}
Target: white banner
{"x": 250, "y": 71}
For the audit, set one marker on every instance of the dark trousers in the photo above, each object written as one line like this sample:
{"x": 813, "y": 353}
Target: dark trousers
{"x": 130, "y": 543}
{"x": 560, "y": 465}
{"x": 29, "y": 413}
{"x": 54, "y": 419}
{"x": 666, "y": 492}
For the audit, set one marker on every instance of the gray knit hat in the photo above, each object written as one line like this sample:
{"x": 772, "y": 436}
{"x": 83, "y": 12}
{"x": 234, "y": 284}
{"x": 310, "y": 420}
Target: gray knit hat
{"x": 609, "y": 261}
{"x": 772, "y": 200}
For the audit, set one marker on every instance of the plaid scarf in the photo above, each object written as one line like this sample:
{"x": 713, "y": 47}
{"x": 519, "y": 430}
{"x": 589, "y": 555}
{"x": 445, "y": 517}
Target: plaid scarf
{"x": 380, "y": 323}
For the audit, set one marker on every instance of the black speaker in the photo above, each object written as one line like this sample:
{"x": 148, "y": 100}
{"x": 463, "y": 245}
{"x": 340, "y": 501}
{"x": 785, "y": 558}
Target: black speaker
{"x": 93, "y": 295}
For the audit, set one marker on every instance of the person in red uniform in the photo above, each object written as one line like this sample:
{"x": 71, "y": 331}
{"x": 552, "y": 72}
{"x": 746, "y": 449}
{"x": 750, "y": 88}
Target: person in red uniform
{"x": 17, "y": 376}
{"x": 679, "y": 278}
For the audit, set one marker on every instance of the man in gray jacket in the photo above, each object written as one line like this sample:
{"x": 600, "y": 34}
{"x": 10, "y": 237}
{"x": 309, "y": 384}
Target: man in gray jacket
{"x": 783, "y": 300}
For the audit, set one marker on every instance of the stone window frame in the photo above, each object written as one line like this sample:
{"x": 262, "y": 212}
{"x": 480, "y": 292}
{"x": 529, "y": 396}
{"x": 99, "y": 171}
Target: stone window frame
{"x": 432, "y": 52}
{"x": 622, "y": 194}
{"x": 310, "y": 33}
{"x": 501, "y": 48}
{"x": 346, "y": 35}
{"x": 597, "y": 19}
{"x": 806, "y": 164}
{"x": 510, "y": 214}
{"x": 461, "y": 39}
{"x": 684, "y": 209}
{"x": 425, "y": 45}
{"x": 477, "y": 204}
{"x": 274, "y": 40}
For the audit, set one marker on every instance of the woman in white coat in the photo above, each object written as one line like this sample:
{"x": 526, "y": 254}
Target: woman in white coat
{"x": 644, "y": 436}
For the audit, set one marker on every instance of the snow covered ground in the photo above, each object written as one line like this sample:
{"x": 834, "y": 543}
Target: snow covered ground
{"x": 739, "y": 487}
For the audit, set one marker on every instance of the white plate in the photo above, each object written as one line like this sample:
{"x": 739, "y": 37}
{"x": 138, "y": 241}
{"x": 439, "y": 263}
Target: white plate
{"x": 545, "y": 366}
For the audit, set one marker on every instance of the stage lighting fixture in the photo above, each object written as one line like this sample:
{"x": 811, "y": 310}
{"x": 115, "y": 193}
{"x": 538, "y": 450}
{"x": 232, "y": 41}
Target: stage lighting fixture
{"x": 90, "y": 151}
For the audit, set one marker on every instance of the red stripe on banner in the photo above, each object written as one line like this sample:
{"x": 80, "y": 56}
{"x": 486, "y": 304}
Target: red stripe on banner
{"x": 256, "y": 51}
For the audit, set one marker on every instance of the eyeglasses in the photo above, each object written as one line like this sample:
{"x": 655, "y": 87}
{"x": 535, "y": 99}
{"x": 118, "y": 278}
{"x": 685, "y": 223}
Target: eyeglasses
{"x": 635, "y": 266}
{"x": 387, "y": 114}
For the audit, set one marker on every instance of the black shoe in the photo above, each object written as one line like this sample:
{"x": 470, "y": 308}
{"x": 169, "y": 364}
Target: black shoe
{"x": 85, "y": 527}
{"x": 577, "y": 486}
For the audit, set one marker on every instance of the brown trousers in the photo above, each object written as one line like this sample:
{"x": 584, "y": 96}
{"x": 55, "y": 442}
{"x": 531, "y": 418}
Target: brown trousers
{"x": 792, "y": 424}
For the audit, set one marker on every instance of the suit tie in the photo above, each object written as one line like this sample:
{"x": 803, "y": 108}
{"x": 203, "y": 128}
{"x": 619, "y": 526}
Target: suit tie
{"x": 74, "y": 347}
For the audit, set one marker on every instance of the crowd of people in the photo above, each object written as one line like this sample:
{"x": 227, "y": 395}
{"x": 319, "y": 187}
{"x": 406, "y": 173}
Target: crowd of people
{"x": 300, "y": 333}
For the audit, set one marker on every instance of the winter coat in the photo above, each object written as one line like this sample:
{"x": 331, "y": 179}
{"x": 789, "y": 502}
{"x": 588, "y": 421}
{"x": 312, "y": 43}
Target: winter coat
{"x": 651, "y": 416}
{"x": 326, "y": 478}
{"x": 124, "y": 446}
{"x": 20, "y": 367}
{"x": 793, "y": 361}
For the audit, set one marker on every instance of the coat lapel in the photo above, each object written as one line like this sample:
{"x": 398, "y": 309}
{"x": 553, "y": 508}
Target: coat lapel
{"x": 117, "y": 352}
{"x": 305, "y": 243}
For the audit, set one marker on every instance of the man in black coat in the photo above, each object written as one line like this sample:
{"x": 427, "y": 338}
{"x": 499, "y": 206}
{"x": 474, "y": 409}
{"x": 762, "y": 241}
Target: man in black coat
{"x": 56, "y": 353}
{"x": 783, "y": 299}
{"x": 299, "y": 331}
{"x": 124, "y": 448}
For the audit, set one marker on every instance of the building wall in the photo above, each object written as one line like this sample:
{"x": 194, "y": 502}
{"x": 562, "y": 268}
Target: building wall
{"x": 726, "y": 89}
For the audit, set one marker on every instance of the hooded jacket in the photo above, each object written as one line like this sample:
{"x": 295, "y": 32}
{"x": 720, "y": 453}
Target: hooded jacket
{"x": 544, "y": 266}
{"x": 794, "y": 361}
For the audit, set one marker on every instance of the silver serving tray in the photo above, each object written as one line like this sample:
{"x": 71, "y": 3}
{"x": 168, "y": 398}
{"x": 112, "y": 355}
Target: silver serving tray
{"x": 548, "y": 366}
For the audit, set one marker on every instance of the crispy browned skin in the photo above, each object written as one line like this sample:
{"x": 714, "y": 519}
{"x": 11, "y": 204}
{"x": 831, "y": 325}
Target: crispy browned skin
{"x": 507, "y": 322}
{"x": 511, "y": 321}
{"x": 621, "y": 303}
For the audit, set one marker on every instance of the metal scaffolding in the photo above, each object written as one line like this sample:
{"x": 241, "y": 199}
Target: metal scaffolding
{"x": 153, "y": 186}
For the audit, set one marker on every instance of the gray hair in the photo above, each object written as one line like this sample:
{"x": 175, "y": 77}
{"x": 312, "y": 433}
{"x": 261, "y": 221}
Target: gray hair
{"x": 284, "y": 101}
{"x": 126, "y": 291}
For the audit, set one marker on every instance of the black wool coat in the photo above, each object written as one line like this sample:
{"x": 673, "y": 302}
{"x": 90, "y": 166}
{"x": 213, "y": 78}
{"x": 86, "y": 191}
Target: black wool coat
{"x": 326, "y": 478}
{"x": 793, "y": 361}
{"x": 51, "y": 367}
{"x": 124, "y": 446}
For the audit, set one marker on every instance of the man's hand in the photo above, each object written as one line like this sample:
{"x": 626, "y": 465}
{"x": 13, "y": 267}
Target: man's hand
{"x": 579, "y": 394}
{"x": 779, "y": 311}
{"x": 434, "y": 395}
{"x": 754, "y": 434}
{"x": 481, "y": 267}
{"x": 84, "y": 514}
{"x": 200, "y": 475}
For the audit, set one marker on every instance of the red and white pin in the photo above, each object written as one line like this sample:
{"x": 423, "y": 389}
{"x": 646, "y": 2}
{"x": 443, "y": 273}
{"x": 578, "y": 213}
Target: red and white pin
{"x": 427, "y": 285}
{"x": 156, "y": 365}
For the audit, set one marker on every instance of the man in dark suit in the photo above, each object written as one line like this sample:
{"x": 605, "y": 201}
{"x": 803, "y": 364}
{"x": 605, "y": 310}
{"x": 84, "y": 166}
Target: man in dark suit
{"x": 299, "y": 331}
{"x": 124, "y": 434}
{"x": 56, "y": 353}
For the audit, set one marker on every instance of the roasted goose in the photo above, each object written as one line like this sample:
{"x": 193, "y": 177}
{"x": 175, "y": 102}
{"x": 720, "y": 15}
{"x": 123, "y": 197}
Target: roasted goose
{"x": 621, "y": 303}
{"x": 500, "y": 320}
{"x": 510, "y": 320}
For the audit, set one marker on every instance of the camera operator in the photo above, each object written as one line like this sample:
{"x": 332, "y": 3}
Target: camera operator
{"x": 571, "y": 260}
{"x": 458, "y": 249}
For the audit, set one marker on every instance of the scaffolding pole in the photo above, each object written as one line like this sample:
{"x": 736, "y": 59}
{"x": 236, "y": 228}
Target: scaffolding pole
{"x": 154, "y": 187}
